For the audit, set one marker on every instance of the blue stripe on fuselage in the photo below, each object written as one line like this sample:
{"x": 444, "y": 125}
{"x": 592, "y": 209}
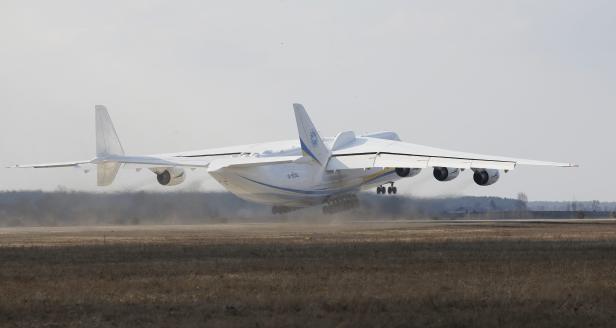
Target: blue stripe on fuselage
{"x": 309, "y": 192}
{"x": 380, "y": 176}
{"x": 317, "y": 191}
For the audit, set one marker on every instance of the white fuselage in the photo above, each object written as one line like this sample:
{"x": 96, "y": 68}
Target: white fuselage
{"x": 294, "y": 184}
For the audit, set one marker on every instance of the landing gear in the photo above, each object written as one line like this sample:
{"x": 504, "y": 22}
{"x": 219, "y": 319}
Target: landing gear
{"x": 390, "y": 190}
{"x": 283, "y": 209}
{"x": 340, "y": 204}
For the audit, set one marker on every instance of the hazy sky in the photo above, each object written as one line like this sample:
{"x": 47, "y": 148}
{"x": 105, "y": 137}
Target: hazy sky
{"x": 532, "y": 79}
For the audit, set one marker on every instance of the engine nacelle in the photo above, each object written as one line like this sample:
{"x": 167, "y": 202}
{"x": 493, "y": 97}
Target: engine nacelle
{"x": 406, "y": 172}
{"x": 486, "y": 177}
{"x": 170, "y": 176}
{"x": 446, "y": 173}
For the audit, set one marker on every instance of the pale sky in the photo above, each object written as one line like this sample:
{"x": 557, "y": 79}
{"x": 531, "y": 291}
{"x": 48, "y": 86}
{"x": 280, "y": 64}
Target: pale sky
{"x": 531, "y": 79}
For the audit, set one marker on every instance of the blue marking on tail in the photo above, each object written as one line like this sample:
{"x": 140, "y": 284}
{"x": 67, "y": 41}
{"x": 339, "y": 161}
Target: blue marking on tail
{"x": 307, "y": 151}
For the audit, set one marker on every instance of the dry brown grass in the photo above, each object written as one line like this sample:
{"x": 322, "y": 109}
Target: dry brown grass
{"x": 395, "y": 274}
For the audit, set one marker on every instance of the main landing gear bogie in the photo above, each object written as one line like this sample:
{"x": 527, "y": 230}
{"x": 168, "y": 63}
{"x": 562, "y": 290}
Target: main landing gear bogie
{"x": 279, "y": 210}
{"x": 340, "y": 204}
{"x": 389, "y": 190}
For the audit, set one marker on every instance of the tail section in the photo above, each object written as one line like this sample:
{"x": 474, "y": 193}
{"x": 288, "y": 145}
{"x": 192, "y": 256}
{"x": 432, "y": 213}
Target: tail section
{"x": 311, "y": 142}
{"x": 106, "y": 173}
{"x": 107, "y": 141}
{"x": 107, "y": 145}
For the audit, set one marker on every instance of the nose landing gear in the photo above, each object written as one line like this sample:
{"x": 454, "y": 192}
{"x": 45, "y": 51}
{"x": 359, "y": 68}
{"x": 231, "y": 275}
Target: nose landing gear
{"x": 389, "y": 190}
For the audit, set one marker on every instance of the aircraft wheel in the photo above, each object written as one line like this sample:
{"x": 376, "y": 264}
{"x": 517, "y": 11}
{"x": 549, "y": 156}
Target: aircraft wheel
{"x": 389, "y": 191}
{"x": 394, "y": 190}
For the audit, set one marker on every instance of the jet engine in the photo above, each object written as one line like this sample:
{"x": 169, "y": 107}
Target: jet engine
{"x": 406, "y": 172}
{"x": 486, "y": 177}
{"x": 170, "y": 176}
{"x": 446, "y": 173}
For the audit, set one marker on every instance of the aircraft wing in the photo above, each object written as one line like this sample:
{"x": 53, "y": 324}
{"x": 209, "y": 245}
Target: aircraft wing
{"x": 138, "y": 161}
{"x": 195, "y": 159}
{"x": 50, "y": 165}
{"x": 366, "y": 152}
{"x": 210, "y": 153}
{"x": 219, "y": 160}
{"x": 234, "y": 155}
{"x": 156, "y": 161}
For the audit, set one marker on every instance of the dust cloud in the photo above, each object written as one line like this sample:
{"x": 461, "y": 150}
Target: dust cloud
{"x": 65, "y": 208}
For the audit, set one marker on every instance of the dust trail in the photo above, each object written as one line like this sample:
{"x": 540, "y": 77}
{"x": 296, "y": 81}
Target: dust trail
{"x": 143, "y": 183}
{"x": 194, "y": 185}
{"x": 459, "y": 186}
{"x": 67, "y": 208}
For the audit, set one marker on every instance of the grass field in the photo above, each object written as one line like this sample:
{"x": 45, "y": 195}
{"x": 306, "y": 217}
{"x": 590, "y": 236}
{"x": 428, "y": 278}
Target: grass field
{"x": 348, "y": 275}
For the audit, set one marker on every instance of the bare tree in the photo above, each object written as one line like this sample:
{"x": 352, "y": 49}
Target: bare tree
{"x": 523, "y": 197}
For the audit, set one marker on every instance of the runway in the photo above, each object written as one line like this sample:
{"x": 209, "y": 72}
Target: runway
{"x": 465, "y": 221}
{"x": 380, "y": 230}
{"x": 362, "y": 273}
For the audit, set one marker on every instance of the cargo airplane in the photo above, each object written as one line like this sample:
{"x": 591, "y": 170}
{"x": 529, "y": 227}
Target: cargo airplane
{"x": 307, "y": 171}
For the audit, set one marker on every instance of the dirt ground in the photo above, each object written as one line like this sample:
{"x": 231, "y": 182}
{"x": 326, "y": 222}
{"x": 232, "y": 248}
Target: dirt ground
{"x": 353, "y": 274}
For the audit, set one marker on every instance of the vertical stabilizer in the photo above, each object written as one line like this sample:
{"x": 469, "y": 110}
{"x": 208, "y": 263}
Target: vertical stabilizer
{"x": 107, "y": 144}
{"x": 107, "y": 141}
{"x": 106, "y": 173}
{"x": 311, "y": 143}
